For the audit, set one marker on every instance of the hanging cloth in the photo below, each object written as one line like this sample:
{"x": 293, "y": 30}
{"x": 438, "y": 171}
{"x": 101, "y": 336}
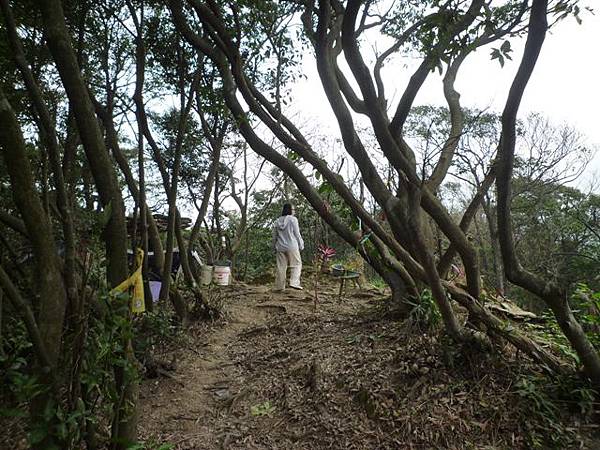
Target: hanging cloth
{"x": 136, "y": 281}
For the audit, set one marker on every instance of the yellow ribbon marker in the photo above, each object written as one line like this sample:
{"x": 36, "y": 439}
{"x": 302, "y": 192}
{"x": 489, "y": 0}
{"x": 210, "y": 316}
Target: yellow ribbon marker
{"x": 136, "y": 281}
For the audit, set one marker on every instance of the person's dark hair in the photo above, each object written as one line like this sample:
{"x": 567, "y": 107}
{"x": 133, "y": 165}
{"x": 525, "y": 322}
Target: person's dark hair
{"x": 287, "y": 209}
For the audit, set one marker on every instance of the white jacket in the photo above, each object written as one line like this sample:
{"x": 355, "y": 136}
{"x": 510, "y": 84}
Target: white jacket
{"x": 286, "y": 234}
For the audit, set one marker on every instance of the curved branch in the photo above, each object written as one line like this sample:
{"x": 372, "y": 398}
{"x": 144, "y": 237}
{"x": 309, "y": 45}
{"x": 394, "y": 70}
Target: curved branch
{"x": 352, "y": 98}
{"x": 549, "y": 291}
{"x": 391, "y": 50}
{"x": 467, "y": 218}
{"x": 392, "y": 148}
{"x": 420, "y": 75}
{"x": 456, "y": 127}
{"x": 57, "y": 36}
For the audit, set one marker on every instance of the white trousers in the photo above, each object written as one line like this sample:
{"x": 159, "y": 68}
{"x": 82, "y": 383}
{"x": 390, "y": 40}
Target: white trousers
{"x": 290, "y": 259}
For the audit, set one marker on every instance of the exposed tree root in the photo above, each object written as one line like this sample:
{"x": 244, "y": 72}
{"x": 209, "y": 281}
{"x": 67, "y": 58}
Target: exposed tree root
{"x": 504, "y": 329}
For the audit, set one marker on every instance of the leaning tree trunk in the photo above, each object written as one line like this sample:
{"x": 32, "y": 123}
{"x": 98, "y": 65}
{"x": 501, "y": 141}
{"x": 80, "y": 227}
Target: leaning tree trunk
{"x": 555, "y": 296}
{"x": 51, "y": 289}
{"x": 48, "y": 133}
{"x": 427, "y": 261}
{"x": 115, "y": 232}
{"x": 171, "y": 190}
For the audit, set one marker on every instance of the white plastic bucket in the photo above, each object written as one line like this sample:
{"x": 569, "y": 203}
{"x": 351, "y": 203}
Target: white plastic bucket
{"x": 155, "y": 289}
{"x": 221, "y": 275}
{"x": 206, "y": 274}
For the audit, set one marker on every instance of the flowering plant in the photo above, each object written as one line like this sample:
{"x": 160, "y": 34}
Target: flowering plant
{"x": 325, "y": 252}
{"x": 323, "y": 255}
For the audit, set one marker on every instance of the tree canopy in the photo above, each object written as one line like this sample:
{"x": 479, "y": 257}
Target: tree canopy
{"x": 121, "y": 118}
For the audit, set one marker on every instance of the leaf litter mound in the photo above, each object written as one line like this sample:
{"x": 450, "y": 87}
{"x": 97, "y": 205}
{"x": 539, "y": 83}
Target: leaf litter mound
{"x": 276, "y": 374}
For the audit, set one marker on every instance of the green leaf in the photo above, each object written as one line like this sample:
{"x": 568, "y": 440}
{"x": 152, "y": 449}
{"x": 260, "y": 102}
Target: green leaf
{"x": 497, "y": 54}
{"x": 325, "y": 188}
{"x": 262, "y": 409}
{"x": 136, "y": 446}
{"x": 37, "y": 435}
{"x": 166, "y": 447}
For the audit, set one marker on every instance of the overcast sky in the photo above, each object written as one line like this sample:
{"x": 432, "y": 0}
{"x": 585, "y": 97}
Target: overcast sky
{"x": 565, "y": 85}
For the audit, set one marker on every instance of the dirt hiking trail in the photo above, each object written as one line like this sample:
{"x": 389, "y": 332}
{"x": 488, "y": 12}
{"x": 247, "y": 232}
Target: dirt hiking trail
{"x": 276, "y": 374}
{"x": 234, "y": 384}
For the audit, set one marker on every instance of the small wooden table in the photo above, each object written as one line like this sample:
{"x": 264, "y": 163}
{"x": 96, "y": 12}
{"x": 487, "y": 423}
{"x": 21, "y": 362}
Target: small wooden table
{"x": 348, "y": 275}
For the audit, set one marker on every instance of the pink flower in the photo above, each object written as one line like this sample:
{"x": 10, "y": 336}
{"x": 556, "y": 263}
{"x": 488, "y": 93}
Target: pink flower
{"x": 326, "y": 252}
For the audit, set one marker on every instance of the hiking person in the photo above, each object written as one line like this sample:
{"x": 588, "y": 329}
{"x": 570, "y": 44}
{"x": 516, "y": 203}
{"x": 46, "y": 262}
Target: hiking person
{"x": 287, "y": 243}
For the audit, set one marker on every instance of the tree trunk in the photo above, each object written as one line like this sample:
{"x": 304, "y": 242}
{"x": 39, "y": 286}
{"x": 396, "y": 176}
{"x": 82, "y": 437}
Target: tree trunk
{"x": 51, "y": 289}
{"x": 104, "y": 175}
{"x": 115, "y": 232}
{"x": 154, "y": 241}
{"x": 428, "y": 263}
{"x": 48, "y": 133}
{"x": 554, "y": 295}
{"x": 185, "y": 107}
{"x": 496, "y": 252}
